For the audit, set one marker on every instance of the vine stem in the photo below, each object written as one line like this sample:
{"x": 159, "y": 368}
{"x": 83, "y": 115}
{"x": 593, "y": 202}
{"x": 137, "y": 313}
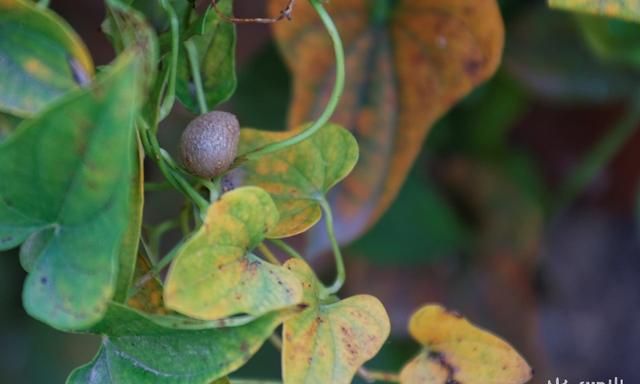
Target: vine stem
{"x": 266, "y": 252}
{"x": 333, "y": 100}
{"x": 289, "y": 250}
{"x": 340, "y": 270}
{"x": 195, "y": 73}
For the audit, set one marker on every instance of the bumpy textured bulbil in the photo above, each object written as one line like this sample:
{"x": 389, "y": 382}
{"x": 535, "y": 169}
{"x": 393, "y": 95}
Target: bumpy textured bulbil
{"x": 209, "y": 144}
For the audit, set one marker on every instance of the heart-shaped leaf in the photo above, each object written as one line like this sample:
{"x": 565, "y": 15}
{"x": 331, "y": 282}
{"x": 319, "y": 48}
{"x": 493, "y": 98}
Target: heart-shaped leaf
{"x": 623, "y": 9}
{"x": 73, "y": 202}
{"x": 329, "y": 341}
{"x": 216, "y": 54}
{"x": 299, "y": 176}
{"x": 41, "y": 58}
{"x": 408, "y": 62}
{"x": 215, "y": 275}
{"x": 136, "y": 349}
{"x": 455, "y": 351}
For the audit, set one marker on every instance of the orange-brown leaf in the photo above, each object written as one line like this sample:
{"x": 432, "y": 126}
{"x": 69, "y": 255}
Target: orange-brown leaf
{"x": 405, "y": 68}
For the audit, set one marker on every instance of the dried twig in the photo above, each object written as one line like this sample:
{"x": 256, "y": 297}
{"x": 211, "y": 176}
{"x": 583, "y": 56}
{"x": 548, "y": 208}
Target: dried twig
{"x": 285, "y": 13}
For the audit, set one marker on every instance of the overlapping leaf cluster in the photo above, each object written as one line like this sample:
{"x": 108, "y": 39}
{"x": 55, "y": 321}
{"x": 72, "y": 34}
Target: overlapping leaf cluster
{"x": 77, "y": 212}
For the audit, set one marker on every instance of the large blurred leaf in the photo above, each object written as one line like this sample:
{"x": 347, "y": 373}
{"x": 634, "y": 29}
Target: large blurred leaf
{"x": 69, "y": 172}
{"x": 614, "y": 40}
{"x": 455, "y": 351}
{"x": 422, "y": 220}
{"x": 299, "y": 177}
{"x": 137, "y": 350}
{"x": 216, "y": 54}
{"x": 546, "y": 53}
{"x": 330, "y": 340}
{"x": 41, "y": 58}
{"x": 624, "y": 9}
{"x": 215, "y": 275}
{"x": 407, "y": 63}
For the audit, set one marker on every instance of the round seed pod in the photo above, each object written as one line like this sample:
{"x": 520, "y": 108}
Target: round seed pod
{"x": 209, "y": 144}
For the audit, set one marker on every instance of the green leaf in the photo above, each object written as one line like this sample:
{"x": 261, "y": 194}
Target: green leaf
{"x": 330, "y": 340}
{"x": 548, "y": 55}
{"x": 616, "y": 41}
{"x": 623, "y": 9}
{"x": 216, "y": 52}
{"x": 41, "y": 58}
{"x": 137, "y": 350}
{"x": 215, "y": 275}
{"x": 299, "y": 177}
{"x": 131, "y": 31}
{"x": 69, "y": 170}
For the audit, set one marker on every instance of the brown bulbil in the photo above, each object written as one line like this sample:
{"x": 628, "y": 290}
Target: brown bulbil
{"x": 209, "y": 144}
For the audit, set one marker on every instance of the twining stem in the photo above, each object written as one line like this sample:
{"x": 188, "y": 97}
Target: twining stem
{"x": 333, "y": 100}
{"x": 289, "y": 250}
{"x": 340, "y": 270}
{"x": 372, "y": 376}
{"x": 192, "y": 55}
{"x": 601, "y": 154}
{"x": 266, "y": 252}
{"x": 174, "y": 25}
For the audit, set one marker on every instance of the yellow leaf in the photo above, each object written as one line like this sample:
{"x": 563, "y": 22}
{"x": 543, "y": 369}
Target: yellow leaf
{"x": 299, "y": 176}
{"x": 215, "y": 275}
{"x": 456, "y": 351}
{"x": 329, "y": 341}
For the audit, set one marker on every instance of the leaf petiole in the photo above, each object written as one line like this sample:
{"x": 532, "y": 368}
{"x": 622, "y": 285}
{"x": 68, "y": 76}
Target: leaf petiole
{"x": 192, "y": 56}
{"x": 340, "y": 269}
{"x": 333, "y": 99}
{"x": 289, "y": 250}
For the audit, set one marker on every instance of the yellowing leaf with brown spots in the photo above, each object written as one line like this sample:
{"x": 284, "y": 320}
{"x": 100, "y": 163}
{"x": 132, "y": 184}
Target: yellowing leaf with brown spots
{"x": 299, "y": 177}
{"x": 623, "y": 9}
{"x": 456, "y": 351}
{"x": 330, "y": 340}
{"x": 408, "y": 62}
{"x": 41, "y": 58}
{"x": 215, "y": 275}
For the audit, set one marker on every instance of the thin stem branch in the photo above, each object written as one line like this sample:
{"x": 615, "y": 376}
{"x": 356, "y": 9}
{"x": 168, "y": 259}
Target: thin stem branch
{"x": 340, "y": 270}
{"x": 289, "y": 250}
{"x": 192, "y": 55}
{"x": 174, "y": 25}
{"x": 155, "y": 270}
{"x": 333, "y": 100}
{"x": 266, "y": 252}
{"x": 601, "y": 155}
{"x": 284, "y": 14}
